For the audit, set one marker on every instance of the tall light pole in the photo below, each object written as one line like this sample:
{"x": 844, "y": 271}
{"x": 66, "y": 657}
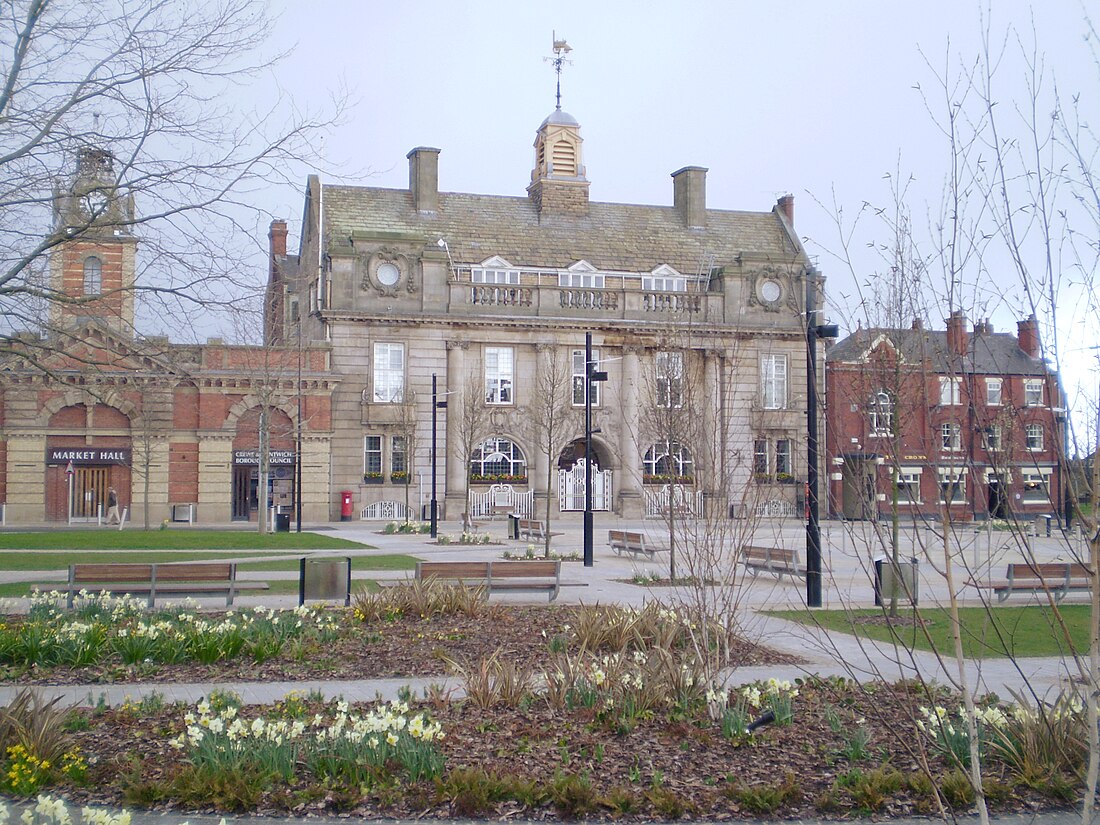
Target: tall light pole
{"x": 298, "y": 446}
{"x": 813, "y": 530}
{"x": 591, "y": 376}
{"x": 436, "y": 406}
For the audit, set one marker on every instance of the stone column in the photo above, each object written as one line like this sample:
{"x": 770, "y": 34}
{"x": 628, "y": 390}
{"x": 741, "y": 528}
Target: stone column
{"x": 710, "y": 460}
{"x": 215, "y": 478}
{"x": 629, "y": 481}
{"x": 536, "y": 476}
{"x": 455, "y": 465}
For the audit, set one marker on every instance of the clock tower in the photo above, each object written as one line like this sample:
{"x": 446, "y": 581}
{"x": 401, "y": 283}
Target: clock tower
{"x": 92, "y": 268}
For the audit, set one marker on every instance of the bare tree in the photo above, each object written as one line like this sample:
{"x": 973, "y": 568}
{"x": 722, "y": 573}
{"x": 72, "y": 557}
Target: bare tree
{"x": 551, "y": 414}
{"x": 147, "y": 91}
{"x": 407, "y": 430}
{"x": 473, "y": 429}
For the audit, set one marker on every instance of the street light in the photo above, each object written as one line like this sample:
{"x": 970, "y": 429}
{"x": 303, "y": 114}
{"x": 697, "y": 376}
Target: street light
{"x": 591, "y": 376}
{"x": 434, "y": 506}
{"x": 813, "y": 530}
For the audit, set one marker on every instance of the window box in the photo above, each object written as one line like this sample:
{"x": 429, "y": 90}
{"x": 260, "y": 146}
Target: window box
{"x": 785, "y": 478}
{"x": 477, "y": 478}
{"x": 667, "y": 479}
{"x": 762, "y": 478}
{"x": 372, "y": 478}
{"x": 399, "y": 478}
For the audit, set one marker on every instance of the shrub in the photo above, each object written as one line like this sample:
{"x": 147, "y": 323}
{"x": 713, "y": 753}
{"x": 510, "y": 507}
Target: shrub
{"x": 35, "y": 745}
{"x": 956, "y": 790}
{"x": 573, "y": 795}
{"x": 494, "y": 680}
{"x": 764, "y": 798}
{"x": 1041, "y": 742}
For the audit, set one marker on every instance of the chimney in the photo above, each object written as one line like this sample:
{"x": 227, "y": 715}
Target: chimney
{"x": 1028, "y": 335}
{"x": 689, "y": 195}
{"x": 277, "y": 238}
{"x": 786, "y": 206}
{"x": 957, "y": 341}
{"x": 424, "y": 178}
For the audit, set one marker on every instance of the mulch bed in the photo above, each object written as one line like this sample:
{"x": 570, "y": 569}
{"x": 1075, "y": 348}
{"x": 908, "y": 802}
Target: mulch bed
{"x": 406, "y": 647}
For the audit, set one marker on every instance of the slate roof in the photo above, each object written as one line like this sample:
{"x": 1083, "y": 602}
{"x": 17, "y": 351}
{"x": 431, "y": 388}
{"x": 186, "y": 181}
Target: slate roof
{"x": 612, "y": 236}
{"x": 989, "y": 353}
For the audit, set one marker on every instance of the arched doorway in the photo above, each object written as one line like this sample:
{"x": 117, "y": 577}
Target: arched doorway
{"x": 277, "y": 429}
{"x": 88, "y": 450}
{"x": 571, "y": 478}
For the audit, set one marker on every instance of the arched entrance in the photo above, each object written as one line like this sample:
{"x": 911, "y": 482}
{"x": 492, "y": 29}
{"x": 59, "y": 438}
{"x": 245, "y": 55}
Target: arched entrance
{"x": 88, "y": 450}
{"x": 276, "y": 429}
{"x": 571, "y": 478}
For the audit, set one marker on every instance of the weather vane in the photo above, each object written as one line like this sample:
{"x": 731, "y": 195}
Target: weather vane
{"x": 561, "y": 49}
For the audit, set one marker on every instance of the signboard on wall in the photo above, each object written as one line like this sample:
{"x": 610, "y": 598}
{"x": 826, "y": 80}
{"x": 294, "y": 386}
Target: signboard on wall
{"x": 88, "y": 455}
{"x": 274, "y": 457}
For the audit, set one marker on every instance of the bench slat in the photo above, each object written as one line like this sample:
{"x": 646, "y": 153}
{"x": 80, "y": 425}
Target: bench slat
{"x": 152, "y": 579}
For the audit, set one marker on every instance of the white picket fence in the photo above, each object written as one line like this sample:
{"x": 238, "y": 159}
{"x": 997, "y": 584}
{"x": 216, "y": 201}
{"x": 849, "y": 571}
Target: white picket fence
{"x": 687, "y": 503}
{"x": 501, "y": 499}
{"x": 776, "y": 508}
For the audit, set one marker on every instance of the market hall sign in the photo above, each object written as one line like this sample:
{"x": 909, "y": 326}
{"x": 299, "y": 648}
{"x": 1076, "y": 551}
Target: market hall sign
{"x": 88, "y": 455}
{"x": 274, "y": 457}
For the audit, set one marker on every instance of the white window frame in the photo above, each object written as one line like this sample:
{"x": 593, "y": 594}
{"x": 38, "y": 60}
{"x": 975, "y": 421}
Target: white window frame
{"x": 388, "y": 373}
{"x": 499, "y": 451}
{"x": 993, "y": 438}
{"x": 908, "y": 483}
{"x": 994, "y": 392}
{"x": 956, "y": 476}
{"x": 372, "y": 455}
{"x": 784, "y": 462}
{"x": 489, "y": 275}
{"x": 1034, "y": 437}
{"x": 881, "y": 415}
{"x": 399, "y": 449}
{"x": 761, "y": 459}
{"x": 1035, "y": 486}
{"x": 580, "y": 376}
{"x": 1033, "y": 393}
{"x": 950, "y": 392}
{"x": 664, "y": 283}
{"x": 93, "y": 275}
{"x": 573, "y": 279}
{"x": 950, "y": 436}
{"x": 677, "y": 459}
{"x": 773, "y": 381}
{"x": 669, "y": 367}
{"x": 500, "y": 370}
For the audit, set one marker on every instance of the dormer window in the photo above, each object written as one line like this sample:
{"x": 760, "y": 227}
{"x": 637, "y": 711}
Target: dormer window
{"x": 93, "y": 276}
{"x": 664, "y": 279}
{"x": 581, "y": 275}
{"x": 496, "y": 270}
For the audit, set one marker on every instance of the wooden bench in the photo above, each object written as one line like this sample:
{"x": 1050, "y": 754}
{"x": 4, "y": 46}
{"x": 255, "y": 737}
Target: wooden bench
{"x": 163, "y": 580}
{"x": 624, "y": 541}
{"x": 779, "y": 561}
{"x": 1056, "y": 578}
{"x": 533, "y": 530}
{"x": 496, "y": 576}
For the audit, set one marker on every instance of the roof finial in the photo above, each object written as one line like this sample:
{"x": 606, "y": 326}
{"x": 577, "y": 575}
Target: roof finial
{"x": 561, "y": 49}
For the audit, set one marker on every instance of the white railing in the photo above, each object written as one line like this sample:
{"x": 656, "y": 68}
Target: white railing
{"x": 383, "y": 511}
{"x": 502, "y": 498}
{"x": 571, "y": 488}
{"x": 776, "y": 508}
{"x": 686, "y": 502}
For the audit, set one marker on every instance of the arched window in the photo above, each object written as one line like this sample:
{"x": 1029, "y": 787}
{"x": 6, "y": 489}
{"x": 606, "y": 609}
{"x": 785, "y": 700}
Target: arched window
{"x": 882, "y": 413}
{"x": 666, "y": 462}
{"x": 498, "y": 459}
{"x": 93, "y": 276}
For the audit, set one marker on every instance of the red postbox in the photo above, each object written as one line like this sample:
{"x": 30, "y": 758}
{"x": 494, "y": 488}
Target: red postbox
{"x": 346, "y": 505}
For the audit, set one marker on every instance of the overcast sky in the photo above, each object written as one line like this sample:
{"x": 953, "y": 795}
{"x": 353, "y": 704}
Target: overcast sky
{"x": 801, "y": 97}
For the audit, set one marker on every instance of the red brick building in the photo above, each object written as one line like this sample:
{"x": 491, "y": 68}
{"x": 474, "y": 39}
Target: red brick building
{"x": 176, "y": 429}
{"x": 970, "y": 421}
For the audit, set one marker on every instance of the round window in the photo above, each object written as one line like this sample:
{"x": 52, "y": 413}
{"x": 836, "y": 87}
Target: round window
{"x": 388, "y": 273}
{"x": 770, "y": 291}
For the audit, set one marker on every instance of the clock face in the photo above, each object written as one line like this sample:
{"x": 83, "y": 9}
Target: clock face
{"x": 387, "y": 273}
{"x": 94, "y": 203}
{"x": 770, "y": 291}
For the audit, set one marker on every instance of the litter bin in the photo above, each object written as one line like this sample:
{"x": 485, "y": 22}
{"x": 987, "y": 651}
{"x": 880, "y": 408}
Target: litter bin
{"x": 282, "y": 521}
{"x": 325, "y": 579}
{"x": 901, "y": 581}
{"x": 513, "y": 526}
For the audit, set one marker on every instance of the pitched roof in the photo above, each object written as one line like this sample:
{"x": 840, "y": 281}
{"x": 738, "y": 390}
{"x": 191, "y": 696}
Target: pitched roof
{"x": 612, "y": 236}
{"x": 991, "y": 353}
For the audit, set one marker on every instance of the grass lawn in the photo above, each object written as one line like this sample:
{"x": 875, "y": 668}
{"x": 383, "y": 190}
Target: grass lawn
{"x": 279, "y": 587}
{"x": 137, "y": 539}
{"x": 61, "y": 561}
{"x": 998, "y": 632}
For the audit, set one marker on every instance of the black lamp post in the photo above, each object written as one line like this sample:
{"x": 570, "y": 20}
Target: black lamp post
{"x": 298, "y": 445}
{"x": 434, "y": 507}
{"x": 813, "y": 530}
{"x": 591, "y": 376}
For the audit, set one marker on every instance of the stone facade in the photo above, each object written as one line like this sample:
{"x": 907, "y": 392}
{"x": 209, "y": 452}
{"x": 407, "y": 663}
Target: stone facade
{"x": 494, "y": 296}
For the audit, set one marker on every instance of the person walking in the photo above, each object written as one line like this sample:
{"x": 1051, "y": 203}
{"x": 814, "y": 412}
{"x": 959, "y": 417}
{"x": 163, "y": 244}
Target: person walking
{"x": 112, "y": 507}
